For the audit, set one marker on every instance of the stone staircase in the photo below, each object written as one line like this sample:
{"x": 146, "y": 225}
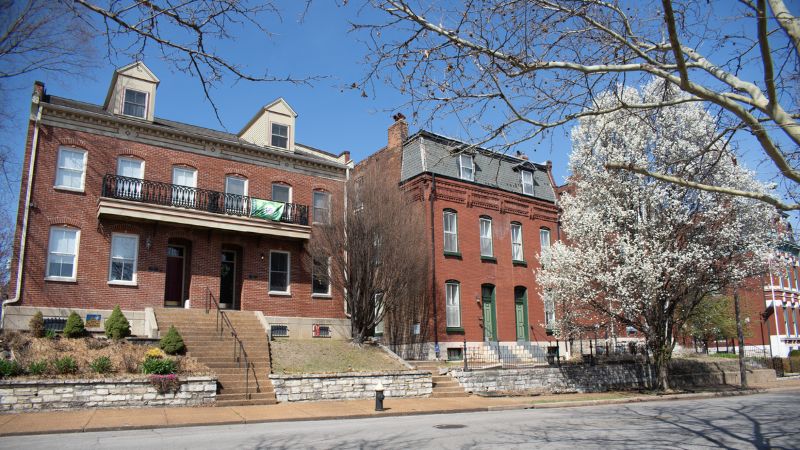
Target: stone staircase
{"x": 443, "y": 385}
{"x": 203, "y": 342}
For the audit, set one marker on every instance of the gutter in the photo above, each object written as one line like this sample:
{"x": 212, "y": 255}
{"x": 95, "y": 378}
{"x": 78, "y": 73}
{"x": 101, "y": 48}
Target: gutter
{"x": 36, "y": 100}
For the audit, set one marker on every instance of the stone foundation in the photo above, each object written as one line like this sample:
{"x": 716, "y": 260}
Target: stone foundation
{"x": 54, "y": 394}
{"x": 350, "y": 386}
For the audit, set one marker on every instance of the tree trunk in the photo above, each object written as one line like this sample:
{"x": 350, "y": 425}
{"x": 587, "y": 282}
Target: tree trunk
{"x": 740, "y": 335}
{"x": 661, "y": 359}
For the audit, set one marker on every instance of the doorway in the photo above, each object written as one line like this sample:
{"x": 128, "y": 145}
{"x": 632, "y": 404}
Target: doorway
{"x": 227, "y": 280}
{"x": 489, "y": 313}
{"x": 175, "y": 280}
{"x": 521, "y": 312}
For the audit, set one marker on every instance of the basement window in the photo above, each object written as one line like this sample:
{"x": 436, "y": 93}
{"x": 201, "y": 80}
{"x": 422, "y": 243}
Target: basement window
{"x": 279, "y": 331}
{"x": 455, "y": 354}
{"x": 321, "y": 331}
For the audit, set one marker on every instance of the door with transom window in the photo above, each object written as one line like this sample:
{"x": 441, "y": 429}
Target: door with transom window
{"x": 489, "y": 313}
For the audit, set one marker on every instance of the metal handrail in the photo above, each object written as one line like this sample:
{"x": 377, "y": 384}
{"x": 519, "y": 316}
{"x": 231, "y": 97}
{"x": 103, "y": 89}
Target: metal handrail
{"x": 239, "y": 352}
{"x": 166, "y": 194}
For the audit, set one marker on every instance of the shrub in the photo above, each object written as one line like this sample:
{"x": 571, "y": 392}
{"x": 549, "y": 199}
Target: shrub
{"x": 9, "y": 368}
{"x": 130, "y": 363}
{"x": 37, "y": 367}
{"x": 154, "y": 353}
{"x": 74, "y": 327}
{"x": 65, "y": 365}
{"x": 50, "y": 334}
{"x": 158, "y": 366}
{"x": 165, "y": 383}
{"x": 794, "y": 353}
{"x": 172, "y": 342}
{"x": 117, "y": 326}
{"x": 36, "y": 325}
{"x": 101, "y": 364}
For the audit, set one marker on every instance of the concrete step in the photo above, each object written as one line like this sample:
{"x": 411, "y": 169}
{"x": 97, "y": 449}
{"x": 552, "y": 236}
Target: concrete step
{"x": 245, "y": 402}
{"x": 242, "y": 389}
{"x": 251, "y": 396}
{"x": 449, "y": 394}
{"x": 447, "y": 389}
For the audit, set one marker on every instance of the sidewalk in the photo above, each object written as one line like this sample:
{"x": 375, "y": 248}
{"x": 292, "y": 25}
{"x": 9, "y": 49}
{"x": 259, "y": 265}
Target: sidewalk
{"x": 139, "y": 418}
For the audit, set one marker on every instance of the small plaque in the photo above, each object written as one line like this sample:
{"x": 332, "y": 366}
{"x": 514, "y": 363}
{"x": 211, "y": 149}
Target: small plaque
{"x": 93, "y": 320}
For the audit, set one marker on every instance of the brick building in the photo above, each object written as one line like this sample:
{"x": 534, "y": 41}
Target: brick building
{"x": 489, "y": 215}
{"x": 120, "y": 207}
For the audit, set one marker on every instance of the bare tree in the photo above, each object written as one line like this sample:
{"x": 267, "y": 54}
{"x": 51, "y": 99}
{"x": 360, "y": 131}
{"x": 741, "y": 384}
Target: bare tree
{"x": 515, "y": 69}
{"x": 377, "y": 256}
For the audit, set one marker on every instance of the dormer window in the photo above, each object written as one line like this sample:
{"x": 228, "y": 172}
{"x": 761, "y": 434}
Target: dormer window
{"x": 280, "y": 135}
{"x": 466, "y": 167}
{"x": 135, "y": 104}
{"x": 527, "y": 182}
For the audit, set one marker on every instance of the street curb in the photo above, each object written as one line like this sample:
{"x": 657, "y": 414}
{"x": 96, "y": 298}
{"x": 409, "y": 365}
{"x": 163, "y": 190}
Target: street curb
{"x": 522, "y": 406}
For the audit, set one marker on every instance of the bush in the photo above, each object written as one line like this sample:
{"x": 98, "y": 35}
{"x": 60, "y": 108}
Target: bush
{"x": 101, "y": 364}
{"x": 172, "y": 342}
{"x": 154, "y": 353}
{"x": 37, "y": 367}
{"x": 158, "y": 366}
{"x": 36, "y": 325}
{"x": 65, "y": 365}
{"x": 130, "y": 363}
{"x": 74, "y": 327}
{"x": 165, "y": 383}
{"x": 9, "y": 368}
{"x": 50, "y": 334}
{"x": 117, "y": 326}
{"x": 794, "y": 353}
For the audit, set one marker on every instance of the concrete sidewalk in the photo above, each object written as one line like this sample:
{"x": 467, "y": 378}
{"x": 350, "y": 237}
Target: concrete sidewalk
{"x": 141, "y": 418}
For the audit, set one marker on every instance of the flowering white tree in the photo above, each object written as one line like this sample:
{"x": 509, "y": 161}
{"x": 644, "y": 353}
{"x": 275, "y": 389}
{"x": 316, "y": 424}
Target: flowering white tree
{"x": 642, "y": 251}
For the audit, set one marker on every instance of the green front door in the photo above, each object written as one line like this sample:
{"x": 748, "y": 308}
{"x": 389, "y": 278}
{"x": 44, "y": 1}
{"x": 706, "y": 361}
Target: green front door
{"x": 489, "y": 315}
{"x": 521, "y": 313}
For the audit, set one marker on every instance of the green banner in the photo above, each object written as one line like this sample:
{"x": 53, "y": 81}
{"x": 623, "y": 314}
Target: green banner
{"x": 265, "y": 209}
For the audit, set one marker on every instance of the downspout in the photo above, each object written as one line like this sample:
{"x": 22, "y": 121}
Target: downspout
{"x": 344, "y": 212}
{"x": 433, "y": 269}
{"x": 36, "y": 100}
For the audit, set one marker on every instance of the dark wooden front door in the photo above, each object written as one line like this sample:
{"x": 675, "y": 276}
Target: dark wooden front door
{"x": 227, "y": 280}
{"x": 173, "y": 286}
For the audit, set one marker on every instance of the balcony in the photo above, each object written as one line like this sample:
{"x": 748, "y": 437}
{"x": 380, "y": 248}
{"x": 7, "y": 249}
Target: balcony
{"x": 132, "y": 198}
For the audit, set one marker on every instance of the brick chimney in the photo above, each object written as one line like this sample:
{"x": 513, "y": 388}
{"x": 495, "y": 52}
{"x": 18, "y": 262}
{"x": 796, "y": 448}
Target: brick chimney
{"x": 398, "y": 132}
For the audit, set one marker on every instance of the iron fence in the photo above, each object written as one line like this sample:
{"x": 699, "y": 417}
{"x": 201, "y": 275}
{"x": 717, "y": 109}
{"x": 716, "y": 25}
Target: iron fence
{"x": 519, "y": 356}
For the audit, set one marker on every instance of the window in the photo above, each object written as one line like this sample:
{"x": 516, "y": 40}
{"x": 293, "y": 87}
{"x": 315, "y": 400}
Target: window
{"x": 322, "y": 206}
{"x": 183, "y": 196}
{"x": 544, "y": 238}
{"x": 516, "y": 241}
{"x": 235, "y": 193}
{"x": 549, "y": 311}
{"x": 450, "y": 231}
{"x": 486, "y": 237}
{"x": 62, "y": 253}
{"x": 281, "y": 193}
{"x": 279, "y": 330}
{"x": 320, "y": 277}
{"x": 453, "y": 300}
{"x": 135, "y": 103}
{"x": 786, "y": 319}
{"x": 794, "y": 319}
{"x": 454, "y": 354}
{"x": 71, "y": 170}
{"x": 280, "y": 135}
{"x": 278, "y": 272}
{"x": 527, "y": 182}
{"x": 466, "y": 167}
{"x": 124, "y": 250}
{"x": 377, "y": 301}
{"x": 129, "y": 187}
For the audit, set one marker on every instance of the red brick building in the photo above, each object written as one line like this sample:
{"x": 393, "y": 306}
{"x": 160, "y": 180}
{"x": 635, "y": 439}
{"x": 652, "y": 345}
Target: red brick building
{"x": 120, "y": 207}
{"x": 489, "y": 215}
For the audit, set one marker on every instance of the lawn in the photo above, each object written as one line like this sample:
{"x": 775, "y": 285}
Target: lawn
{"x": 328, "y": 356}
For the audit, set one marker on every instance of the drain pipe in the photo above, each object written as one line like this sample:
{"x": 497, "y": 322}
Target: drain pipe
{"x": 433, "y": 271}
{"x": 36, "y": 100}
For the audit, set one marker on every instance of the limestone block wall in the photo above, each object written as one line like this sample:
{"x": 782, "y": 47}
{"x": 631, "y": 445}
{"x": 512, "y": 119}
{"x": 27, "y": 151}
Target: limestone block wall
{"x": 348, "y": 386}
{"x": 55, "y": 394}
{"x": 580, "y": 378}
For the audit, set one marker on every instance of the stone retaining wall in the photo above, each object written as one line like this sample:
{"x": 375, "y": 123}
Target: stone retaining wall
{"x": 54, "y": 394}
{"x": 348, "y": 386}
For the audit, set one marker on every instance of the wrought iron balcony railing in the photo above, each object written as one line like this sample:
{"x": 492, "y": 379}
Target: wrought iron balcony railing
{"x": 165, "y": 194}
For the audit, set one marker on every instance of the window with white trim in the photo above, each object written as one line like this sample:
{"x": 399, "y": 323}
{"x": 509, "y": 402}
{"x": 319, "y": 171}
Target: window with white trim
{"x": 280, "y": 135}
{"x": 183, "y": 176}
{"x": 321, "y": 276}
{"x": 62, "y": 253}
{"x": 281, "y": 193}
{"x": 527, "y": 182}
{"x": 786, "y": 319}
{"x": 450, "y": 231}
{"x": 124, "y": 253}
{"x": 486, "y": 237}
{"x": 235, "y": 193}
{"x": 516, "y": 241}
{"x": 794, "y": 317}
{"x": 544, "y": 238}
{"x": 279, "y": 272}
{"x": 378, "y": 304}
{"x": 466, "y": 167}
{"x": 71, "y": 169}
{"x": 453, "y": 304}
{"x": 549, "y": 311}
{"x": 133, "y": 171}
{"x": 322, "y": 207}
{"x": 135, "y": 104}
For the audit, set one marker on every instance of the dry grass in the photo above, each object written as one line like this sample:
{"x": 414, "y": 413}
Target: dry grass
{"x": 126, "y": 358}
{"x": 328, "y": 356}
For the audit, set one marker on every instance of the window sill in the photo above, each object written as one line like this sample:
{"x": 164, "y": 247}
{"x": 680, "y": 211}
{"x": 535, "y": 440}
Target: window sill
{"x": 455, "y": 330}
{"x": 491, "y": 259}
{"x": 279, "y": 294}
{"x": 520, "y": 263}
{"x": 322, "y": 296}
{"x": 452, "y": 254}
{"x": 122, "y": 283}
{"x": 61, "y": 279}
{"x": 69, "y": 189}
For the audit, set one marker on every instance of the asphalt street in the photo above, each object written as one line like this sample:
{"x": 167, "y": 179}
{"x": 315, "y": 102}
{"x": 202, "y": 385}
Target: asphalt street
{"x": 753, "y": 421}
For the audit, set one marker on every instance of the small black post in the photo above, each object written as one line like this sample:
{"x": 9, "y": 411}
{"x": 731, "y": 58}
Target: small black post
{"x": 464, "y": 356}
